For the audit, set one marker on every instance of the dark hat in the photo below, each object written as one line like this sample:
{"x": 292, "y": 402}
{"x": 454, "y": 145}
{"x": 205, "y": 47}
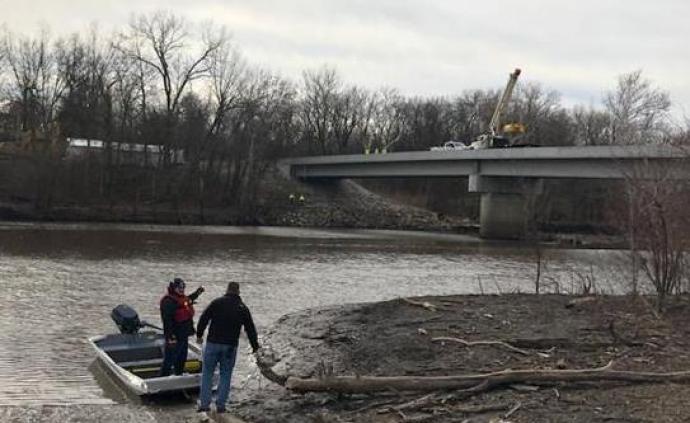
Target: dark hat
{"x": 233, "y": 288}
{"x": 177, "y": 283}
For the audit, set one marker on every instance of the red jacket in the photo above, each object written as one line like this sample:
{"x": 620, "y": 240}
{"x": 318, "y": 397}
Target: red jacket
{"x": 177, "y": 314}
{"x": 184, "y": 309}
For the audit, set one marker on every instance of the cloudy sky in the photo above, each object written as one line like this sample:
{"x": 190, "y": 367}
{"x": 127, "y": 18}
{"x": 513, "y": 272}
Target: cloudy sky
{"x": 432, "y": 47}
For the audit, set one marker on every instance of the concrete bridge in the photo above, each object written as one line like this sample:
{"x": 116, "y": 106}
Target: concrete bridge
{"x": 504, "y": 177}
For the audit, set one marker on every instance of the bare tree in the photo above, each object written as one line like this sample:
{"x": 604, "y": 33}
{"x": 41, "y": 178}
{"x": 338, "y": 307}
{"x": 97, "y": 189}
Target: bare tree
{"x": 35, "y": 85}
{"x": 427, "y": 122}
{"x": 256, "y": 132}
{"x": 639, "y": 111}
{"x": 86, "y": 106}
{"x": 320, "y": 93}
{"x": 657, "y": 227}
{"x": 86, "y": 67}
{"x": 385, "y": 120}
{"x": 468, "y": 114}
{"x": 228, "y": 78}
{"x": 2, "y": 56}
{"x": 540, "y": 111}
{"x": 160, "y": 42}
{"x": 228, "y": 73}
{"x": 127, "y": 95}
{"x": 348, "y": 112}
{"x": 591, "y": 126}
{"x": 331, "y": 113}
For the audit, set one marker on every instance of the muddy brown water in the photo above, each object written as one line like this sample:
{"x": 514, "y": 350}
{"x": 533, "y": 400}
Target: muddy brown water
{"x": 60, "y": 281}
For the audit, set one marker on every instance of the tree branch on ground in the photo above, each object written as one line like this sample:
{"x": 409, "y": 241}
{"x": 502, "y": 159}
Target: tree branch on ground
{"x": 423, "y": 304}
{"x": 475, "y": 343}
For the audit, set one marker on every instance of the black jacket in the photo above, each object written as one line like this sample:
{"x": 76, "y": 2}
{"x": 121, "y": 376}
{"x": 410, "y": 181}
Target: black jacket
{"x": 227, "y": 315}
{"x": 171, "y": 328}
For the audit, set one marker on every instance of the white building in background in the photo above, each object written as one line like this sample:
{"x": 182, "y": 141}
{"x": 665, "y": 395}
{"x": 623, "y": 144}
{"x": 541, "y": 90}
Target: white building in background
{"x": 123, "y": 153}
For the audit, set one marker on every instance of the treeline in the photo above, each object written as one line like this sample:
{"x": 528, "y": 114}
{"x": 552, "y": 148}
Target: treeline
{"x": 162, "y": 81}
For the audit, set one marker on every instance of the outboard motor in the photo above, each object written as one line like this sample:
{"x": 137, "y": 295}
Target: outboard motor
{"x": 126, "y": 319}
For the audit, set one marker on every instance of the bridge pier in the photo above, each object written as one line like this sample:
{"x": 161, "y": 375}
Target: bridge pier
{"x": 502, "y": 216}
{"x": 503, "y": 210}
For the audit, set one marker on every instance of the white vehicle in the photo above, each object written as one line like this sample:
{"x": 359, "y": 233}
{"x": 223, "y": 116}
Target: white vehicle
{"x": 450, "y": 146}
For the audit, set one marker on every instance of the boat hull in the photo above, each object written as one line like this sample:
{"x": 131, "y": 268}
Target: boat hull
{"x": 135, "y": 361}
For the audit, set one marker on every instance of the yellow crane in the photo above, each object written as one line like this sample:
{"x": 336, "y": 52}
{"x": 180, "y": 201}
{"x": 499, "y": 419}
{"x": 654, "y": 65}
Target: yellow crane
{"x": 506, "y": 136}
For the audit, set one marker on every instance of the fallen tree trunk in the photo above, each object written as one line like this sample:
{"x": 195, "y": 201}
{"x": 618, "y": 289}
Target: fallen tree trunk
{"x": 478, "y": 382}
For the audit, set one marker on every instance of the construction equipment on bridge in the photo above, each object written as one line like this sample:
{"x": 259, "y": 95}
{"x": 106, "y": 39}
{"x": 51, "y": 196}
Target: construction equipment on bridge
{"x": 497, "y": 137}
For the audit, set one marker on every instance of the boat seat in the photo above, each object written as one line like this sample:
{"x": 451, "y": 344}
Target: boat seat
{"x": 138, "y": 363}
{"x": 136, "y": 354}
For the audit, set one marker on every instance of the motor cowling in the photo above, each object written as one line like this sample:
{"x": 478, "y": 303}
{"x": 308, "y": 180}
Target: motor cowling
{"x": 126, "y": 319}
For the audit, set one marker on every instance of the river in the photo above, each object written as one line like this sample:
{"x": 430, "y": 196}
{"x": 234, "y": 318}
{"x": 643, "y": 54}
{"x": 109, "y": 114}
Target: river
{"x": 60, "y": 282}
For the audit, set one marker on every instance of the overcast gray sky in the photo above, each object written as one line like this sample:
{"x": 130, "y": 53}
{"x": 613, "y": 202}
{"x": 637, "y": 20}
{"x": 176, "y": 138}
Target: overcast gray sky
{"x": 434, "y": 47}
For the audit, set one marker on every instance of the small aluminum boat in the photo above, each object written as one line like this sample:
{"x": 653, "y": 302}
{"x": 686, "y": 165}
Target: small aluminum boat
{"x": 135, "y": 358}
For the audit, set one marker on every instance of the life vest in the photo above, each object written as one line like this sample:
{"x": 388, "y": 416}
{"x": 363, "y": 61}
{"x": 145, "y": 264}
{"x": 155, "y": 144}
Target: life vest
{"x": 184, "y": 310}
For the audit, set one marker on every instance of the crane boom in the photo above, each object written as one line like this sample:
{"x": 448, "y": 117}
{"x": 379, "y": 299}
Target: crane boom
{"x": 494, "y": 137}
{"x": 505, "y": 98}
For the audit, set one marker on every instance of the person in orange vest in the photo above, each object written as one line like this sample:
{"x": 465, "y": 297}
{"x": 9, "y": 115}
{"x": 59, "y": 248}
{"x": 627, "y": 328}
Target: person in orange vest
{"x": 177, "y": 314}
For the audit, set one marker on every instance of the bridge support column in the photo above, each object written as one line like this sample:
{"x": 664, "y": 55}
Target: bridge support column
{"x": 503, "y": 209}
{"x": 502, "y": 216}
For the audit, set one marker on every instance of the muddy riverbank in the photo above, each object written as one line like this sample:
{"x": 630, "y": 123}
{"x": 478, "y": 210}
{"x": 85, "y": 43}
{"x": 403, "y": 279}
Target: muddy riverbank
{"x": 281, "y": 201}
{"x": 395, "y": 338}
{"x": 278, "y": 202}
{"x": 284, "y": 203}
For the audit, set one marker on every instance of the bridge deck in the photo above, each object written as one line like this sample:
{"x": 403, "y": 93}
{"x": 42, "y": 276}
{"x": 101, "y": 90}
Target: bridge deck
{"x": 537, "y": 162}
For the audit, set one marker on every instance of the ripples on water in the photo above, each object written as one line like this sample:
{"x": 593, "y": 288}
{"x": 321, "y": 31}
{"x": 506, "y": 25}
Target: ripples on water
{"x": 61, "y": 281}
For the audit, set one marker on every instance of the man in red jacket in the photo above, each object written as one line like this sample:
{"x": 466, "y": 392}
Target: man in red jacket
{"x": 177, "y": 313}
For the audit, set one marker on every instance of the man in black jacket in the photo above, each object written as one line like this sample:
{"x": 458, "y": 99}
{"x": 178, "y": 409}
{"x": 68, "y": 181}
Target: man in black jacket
{"x": 227, "y": 315}
{"x": 177, "y": 312}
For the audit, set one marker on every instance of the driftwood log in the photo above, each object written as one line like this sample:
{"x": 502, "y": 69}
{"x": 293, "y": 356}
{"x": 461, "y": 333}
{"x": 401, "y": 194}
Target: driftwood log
{"x": 424, "y": 304}
{"x": 265, "y": 363}
{"x": 477, "y": 382}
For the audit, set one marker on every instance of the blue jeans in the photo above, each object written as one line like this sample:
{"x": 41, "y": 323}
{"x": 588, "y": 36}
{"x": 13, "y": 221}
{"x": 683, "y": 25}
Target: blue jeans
{"x": 223, "y": 356}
